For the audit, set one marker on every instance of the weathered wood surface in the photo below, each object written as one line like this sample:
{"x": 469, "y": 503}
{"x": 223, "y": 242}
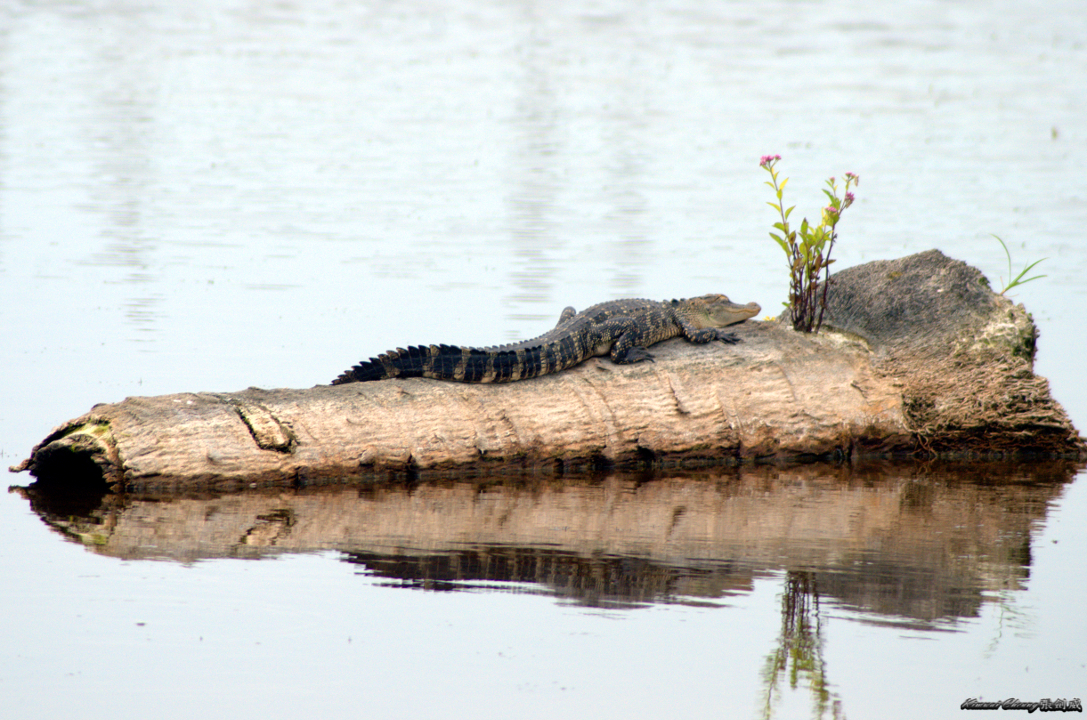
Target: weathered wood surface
{"x": 930, "y": 360}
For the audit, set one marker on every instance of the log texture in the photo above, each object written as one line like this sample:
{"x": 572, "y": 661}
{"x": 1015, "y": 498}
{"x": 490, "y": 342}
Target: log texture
{"x": 926, "y": 358}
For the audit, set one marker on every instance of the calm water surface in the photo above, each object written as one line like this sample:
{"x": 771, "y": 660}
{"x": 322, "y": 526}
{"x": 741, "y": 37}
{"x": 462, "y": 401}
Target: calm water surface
{"x": 213, "y": 195}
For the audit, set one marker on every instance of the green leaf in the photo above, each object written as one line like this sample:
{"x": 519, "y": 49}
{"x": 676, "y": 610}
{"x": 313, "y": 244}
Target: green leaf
{"x": 774, "y": 205}
{"x": 784, "y": 183}
{"x": 781, "y": 244}
{"x": 787, "y": 212}
{"x": 1028, "y": 267}
{"x": 1019, "y": 281}
{"x": 1019, "y": 278}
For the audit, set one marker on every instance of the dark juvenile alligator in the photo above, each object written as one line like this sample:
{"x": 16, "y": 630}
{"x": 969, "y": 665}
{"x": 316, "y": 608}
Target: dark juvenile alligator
{"x": 623, "y": 328}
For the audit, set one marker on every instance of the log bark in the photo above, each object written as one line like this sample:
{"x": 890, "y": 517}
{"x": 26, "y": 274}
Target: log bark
{"x": 924, "y": 357}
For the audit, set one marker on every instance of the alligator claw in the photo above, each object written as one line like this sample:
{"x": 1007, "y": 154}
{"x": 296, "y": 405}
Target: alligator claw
{"x": 637, "y": 354}
{"x": 728, "y": 338}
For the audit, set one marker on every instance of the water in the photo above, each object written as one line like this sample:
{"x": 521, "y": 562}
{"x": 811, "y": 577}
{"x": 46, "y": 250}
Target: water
{"x": 217, "y": 195}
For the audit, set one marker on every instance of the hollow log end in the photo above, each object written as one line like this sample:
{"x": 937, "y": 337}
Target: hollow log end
{"x": 81, "y": 453}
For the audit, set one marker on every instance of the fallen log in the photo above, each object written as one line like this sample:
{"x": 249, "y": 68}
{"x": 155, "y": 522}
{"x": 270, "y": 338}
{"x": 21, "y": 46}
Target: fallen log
{"x": 918, "y": 355}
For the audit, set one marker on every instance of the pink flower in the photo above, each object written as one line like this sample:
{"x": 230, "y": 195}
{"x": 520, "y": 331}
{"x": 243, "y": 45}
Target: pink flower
{"x": 830, "y": 210}
{"x": 766, "y": 160}
{"x": 848, "y": 200}
{"x": 853, "y": 177}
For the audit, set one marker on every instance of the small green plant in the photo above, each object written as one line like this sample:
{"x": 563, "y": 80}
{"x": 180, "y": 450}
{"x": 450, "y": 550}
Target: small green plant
{"x": 808, "y": 248}
{"x": 1018, "y": 278}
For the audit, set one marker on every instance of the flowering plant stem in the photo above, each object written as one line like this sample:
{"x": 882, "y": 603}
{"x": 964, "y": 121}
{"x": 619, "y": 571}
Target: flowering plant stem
{"x": 808, "y": 248}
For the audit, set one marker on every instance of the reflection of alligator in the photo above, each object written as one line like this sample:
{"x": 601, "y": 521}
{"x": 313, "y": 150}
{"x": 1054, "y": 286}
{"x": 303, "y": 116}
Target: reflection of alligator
{"x": 623, "y": 328}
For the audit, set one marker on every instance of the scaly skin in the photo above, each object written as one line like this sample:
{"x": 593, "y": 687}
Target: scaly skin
{"x": 621, "y": 328}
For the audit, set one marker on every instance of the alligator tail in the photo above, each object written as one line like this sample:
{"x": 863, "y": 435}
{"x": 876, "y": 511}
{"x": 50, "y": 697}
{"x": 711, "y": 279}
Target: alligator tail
{"x": 395, "y": 363}
{"x": 449, "y": 362}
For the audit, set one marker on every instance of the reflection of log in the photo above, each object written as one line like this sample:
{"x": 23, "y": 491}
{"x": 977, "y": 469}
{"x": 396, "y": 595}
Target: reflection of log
{"x": 930, "y": 359}
{"x": 905, "y": 540}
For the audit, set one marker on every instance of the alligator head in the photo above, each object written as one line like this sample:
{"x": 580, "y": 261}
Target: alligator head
{"x": 716, "y": 311}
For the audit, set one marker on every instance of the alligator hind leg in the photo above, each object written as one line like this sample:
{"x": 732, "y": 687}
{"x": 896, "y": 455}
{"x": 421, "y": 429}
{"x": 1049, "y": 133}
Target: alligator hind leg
{"x": 568, "y": 314}
{"x": 628, "y": 346}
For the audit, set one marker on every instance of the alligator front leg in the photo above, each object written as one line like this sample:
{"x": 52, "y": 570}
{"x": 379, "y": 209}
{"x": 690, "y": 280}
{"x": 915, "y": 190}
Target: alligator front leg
{"x": 727, "y": 337}
{"x": 705, "y": 335}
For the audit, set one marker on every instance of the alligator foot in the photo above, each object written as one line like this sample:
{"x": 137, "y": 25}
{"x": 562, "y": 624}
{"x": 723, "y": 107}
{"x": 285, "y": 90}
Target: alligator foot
{"x": 727, "y": 337}
{"x": 637, "y": 354}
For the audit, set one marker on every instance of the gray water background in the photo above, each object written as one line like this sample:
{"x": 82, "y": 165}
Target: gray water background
{"x": 213, "y": 195}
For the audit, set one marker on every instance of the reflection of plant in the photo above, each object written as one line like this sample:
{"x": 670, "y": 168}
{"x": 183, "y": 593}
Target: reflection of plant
{"x": 1017, "y": 619}
{"x": 810, "y": 255}
{"x": 1018, "y": 278}
{"x": 799, "y": 653}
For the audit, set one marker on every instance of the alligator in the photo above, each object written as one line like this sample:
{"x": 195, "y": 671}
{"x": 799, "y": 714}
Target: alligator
{"x": 621, "y": 328}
